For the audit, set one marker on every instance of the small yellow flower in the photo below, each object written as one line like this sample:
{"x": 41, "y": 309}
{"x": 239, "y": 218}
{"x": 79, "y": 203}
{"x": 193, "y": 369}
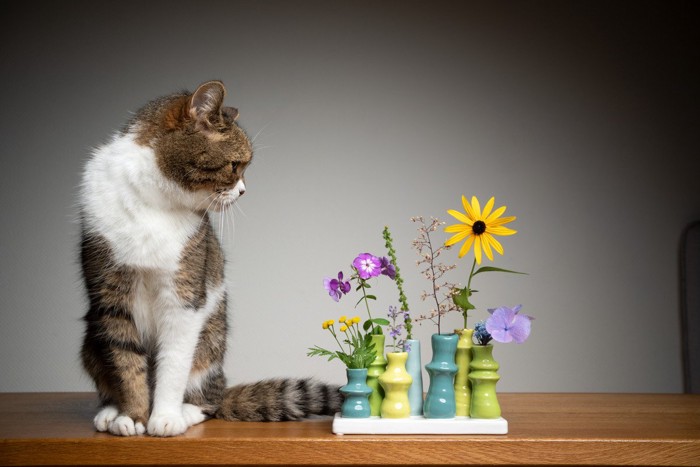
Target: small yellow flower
{"x": 478, "y": 228}
{"x": 344, "y": 328}
{"x": 331, "y": 322}
{"x": 325, "y": 325}
{"x": 342, "y": 319}
{"x": 356, "y": 320}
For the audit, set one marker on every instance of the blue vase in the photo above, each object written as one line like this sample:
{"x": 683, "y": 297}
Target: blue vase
{"x": 415, "y": 369}
{"x": 356, "y": 392}
{"x": 440, "y": 400}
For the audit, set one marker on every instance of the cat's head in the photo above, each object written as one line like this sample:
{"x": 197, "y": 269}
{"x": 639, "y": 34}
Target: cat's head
{"x": 199, "y": 145}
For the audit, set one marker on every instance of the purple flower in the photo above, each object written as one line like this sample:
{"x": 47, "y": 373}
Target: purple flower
{"x": 367, "y": 265}
{"x": 387, "y": 268}
{"x": 506, "y": 325}
{"x": 336, "y": 287}
{"x": 395, "y": 332}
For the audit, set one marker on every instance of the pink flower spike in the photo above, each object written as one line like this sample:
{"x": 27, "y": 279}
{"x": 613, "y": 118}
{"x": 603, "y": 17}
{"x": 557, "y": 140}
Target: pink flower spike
{"x": 506, "y": 325}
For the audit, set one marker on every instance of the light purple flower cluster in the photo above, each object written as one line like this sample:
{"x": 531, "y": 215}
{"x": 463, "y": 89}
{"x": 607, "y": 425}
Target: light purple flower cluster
{"x": 506, "y": 325}
{"x": 395, "y": 329}
{"x": 368, "y": 265}
{"x": 336, "y": 287}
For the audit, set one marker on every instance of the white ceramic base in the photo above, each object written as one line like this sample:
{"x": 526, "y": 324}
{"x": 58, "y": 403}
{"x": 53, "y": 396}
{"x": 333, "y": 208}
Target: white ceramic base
{"x": 419, "y": 426}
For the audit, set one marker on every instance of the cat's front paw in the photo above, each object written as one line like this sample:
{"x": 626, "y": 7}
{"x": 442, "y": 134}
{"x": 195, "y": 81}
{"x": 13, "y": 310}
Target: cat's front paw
{"x": 104, "y": 417}
{"x": 168, "y": 424}
{"x": 124, "y": 425}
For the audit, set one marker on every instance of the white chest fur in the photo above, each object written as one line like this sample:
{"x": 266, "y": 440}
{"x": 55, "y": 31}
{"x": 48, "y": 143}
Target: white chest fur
{"x": 144, "y": 216}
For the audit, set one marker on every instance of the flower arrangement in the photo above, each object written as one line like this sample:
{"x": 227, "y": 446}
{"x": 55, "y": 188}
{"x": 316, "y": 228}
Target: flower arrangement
{"x": 356, "y": 349}
{"x": 477, "y": 228}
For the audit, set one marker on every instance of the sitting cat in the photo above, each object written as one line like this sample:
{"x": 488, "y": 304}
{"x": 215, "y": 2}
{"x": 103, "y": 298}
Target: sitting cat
{"x": 153, "y": 268}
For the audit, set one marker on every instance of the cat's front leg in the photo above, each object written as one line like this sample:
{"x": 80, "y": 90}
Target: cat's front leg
{"x": 178, "y": 333}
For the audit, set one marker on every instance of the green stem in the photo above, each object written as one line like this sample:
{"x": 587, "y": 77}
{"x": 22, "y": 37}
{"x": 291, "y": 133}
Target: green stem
{"x": 469, "y": 291}
{"x": 364, "y": 295}
{"x": 342, "y": 349}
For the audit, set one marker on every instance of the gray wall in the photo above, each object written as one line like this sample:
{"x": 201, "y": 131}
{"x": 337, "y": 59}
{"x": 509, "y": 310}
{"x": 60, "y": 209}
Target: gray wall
{"x": 577, "y": 116}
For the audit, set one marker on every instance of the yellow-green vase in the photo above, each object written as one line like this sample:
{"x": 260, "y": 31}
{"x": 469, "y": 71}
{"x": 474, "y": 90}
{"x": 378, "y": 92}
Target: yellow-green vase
{"x": 463, "y": 387}
{"x": 483, "y": 375}
{"x": 396, "y": 381}
{"x": 376, "y": 368}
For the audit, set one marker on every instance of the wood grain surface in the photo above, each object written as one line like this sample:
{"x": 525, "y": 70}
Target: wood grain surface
{"x": 544, "y": 429}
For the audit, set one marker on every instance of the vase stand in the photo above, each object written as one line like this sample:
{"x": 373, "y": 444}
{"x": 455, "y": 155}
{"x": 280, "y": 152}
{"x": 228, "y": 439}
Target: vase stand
{"x": 417, "y": 425}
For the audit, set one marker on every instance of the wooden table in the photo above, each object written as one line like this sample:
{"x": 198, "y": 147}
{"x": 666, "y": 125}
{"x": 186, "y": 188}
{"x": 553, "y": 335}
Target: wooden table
{"x": 571, "y": 429}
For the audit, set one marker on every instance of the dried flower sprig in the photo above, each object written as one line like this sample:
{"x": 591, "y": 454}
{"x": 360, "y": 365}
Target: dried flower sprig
{"x": 433, "y": 271}
{"x": 408, "y": 324}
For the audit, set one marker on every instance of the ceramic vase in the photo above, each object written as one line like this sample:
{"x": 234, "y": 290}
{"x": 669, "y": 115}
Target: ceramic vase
{"x": 463, "y": 358}
{"x": 483, "y": 375}
{"x": 440, "y": 400}
{"x": 356, "y": 393}
{"x": 396, "y": 381}
{"x": 414, "y": 368}
{"x": 376, "y": 368}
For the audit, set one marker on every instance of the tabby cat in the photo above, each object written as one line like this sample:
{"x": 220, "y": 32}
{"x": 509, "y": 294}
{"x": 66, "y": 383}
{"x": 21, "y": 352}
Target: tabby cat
{"x": 156, "y": 326}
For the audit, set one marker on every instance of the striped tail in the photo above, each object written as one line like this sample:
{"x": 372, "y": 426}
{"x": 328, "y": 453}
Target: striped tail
{"x": 279, "y": 399}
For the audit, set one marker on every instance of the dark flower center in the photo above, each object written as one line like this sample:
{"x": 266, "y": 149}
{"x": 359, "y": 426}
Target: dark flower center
{"x": 479, "y": 227}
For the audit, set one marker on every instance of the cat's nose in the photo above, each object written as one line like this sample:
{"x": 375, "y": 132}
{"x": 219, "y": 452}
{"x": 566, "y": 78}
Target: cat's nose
{"x": 240, "y": 187}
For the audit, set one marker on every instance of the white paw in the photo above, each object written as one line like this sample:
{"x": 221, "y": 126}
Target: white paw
{"x": 104, "y": 417}
{"x": 123, "y": 425}
{"x": 168, "y": 424}
{"x": 192, "y": 414}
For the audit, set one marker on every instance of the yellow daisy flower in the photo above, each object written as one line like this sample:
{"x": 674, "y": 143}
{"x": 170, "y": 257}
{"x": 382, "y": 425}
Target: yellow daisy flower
{"x": 478, "y": 228}
{"x": 342, "y": 319}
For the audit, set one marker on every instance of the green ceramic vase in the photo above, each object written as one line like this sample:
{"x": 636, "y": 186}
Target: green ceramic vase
{"x": 463, "y": 387}
{"x": 396, "y": 381}
{"x": 484, "y": 376}
{"x": 376, "y": 368}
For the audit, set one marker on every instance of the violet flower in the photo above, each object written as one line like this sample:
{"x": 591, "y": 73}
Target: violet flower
{"x": 336, "y": 287}
{"x": 367, "y": 265}
{"x": 506, "y": 325}
{"x": 387, "y": 268}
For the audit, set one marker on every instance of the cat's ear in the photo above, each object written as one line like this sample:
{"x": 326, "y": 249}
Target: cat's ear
{"x": 206, "y": 102}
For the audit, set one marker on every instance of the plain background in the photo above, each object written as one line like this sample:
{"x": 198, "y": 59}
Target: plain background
{"x": 581, "y": 117}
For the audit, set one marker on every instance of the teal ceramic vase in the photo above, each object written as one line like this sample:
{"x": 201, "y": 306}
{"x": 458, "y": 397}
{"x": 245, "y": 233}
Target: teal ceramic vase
{"x": 414, "y": 368}
{"x": 483, "y": 375}
{"x": 356, "y": 393}
{"x": 375, "y": 370}
{"x": 463, "y": 387}
{"x": 440, "y": 400}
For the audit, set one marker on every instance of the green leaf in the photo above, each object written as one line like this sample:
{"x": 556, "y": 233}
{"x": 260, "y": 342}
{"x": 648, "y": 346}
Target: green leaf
{"x": 461, "y": 299}
{"x": 381, "y": 321}
{"x": 371, "y": 297}
{"x": 493, "y": 269}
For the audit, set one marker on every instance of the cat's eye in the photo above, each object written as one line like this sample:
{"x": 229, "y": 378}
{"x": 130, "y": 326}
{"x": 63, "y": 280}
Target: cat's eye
{"x": 234, "y": 166}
